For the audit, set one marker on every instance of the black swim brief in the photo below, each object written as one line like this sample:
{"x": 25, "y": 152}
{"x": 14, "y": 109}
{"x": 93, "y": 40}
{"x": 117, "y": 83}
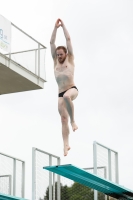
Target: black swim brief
{"x": 62, "y": 93}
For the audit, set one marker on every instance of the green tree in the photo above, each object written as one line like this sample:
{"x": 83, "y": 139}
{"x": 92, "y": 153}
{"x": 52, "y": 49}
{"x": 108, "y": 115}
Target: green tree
{"x": 65, "y": 195}
{"x": 74, "y": 192}
{"x": 80, "y": 192}
{"x": 64, "y": 192}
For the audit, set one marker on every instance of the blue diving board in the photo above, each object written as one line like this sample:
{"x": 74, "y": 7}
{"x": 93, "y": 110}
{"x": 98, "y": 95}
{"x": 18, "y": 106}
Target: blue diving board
{"x": 93, "y": 181}
{"x": 9, "y": 197}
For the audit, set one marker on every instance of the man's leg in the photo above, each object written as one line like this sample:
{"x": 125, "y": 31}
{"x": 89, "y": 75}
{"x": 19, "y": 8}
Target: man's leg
{"x": 65, "y": 128}
{"x": 68, "y": 97}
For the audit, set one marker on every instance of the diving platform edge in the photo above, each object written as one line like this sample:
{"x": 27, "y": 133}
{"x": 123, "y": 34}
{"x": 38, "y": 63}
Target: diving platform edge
{"x": 16, "y": 78}
{"x": 9, "y": 197}
{"x": 91, "y": 180}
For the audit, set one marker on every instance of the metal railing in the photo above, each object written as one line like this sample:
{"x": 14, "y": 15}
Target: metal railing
{"x": 109, "y": 163}
{"x": 9, "y": 183}
{"x": 6, "y": 159}
{"x": 27, "y": 52}
{"x": 47, "y": 159}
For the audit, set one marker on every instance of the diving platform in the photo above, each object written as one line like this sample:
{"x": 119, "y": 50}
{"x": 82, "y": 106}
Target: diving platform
{"x": 22, "y": 60}
{"x": 9, "y": 197}
{"x": 16, "y": 78}
{"x": 92, "y": 181}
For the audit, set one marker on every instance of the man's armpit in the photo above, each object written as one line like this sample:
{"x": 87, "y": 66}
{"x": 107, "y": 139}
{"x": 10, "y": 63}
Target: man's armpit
{"x": 55, "y": 61}
{"x": 70, "y": 57}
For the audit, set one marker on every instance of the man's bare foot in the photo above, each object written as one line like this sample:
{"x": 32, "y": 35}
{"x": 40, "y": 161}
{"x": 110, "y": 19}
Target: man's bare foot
{"x": 66, "y": 149}
{"x": 74, "y": 126}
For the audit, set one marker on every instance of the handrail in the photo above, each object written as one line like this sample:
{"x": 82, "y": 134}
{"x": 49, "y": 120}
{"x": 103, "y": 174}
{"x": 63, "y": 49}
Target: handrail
{"x": 23, "y": 51}
{"x": 3, "y": 154}
{"x": 28, "y": 35}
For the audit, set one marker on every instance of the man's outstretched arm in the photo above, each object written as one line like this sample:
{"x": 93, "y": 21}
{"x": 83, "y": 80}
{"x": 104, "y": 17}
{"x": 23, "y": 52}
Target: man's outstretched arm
{"x": 68, "y": 39}
{"x": 53, "y": 37}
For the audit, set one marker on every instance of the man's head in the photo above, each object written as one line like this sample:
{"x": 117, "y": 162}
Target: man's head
{"x": 61, "y": 53}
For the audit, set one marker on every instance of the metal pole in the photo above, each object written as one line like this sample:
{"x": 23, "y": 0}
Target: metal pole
{"x": 58, "y": 181}
{"x": 95, "y": 165}
{"x": 44, "y": 65}
{"x": 10, "y": 184}
{"x": 38, "y": 62}
{"x": 23, "y": 179}
{"x": 14, "y": 177}
{"x": 116, "y": 168}
{"x": 109, "y": 165}
{"x": 50, "y": 179}
{"x": 9, "y": 61}
{"x": 33, "y": 173}
{"x": 105, "y": 176}
{"x": 53, "y": 186}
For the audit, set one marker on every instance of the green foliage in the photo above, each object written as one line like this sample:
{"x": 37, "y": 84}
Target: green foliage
{"x": 74, "y": 192}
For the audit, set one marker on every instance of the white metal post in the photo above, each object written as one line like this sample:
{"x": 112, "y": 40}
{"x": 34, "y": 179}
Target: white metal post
{"x": 10, "y": 184}
{"x": 105, "y": 176}
{"x": 44, "y": 66}
{"x": 58, "y": 181}
{"x": 50, "y": 179}
{"x": 38, "y": 63}
{"x": 53, "y": 186}
{"x": 95, "y": 165}
{"x": 9, "y": 60}
{"x": 23, "y": 179}
{"x": 33, "y": 174}
{"x": 9, "y": 57}
{"x": 116, "y": 168}
{"x": 14, "y": 177}
{"x": 109, "y": 165}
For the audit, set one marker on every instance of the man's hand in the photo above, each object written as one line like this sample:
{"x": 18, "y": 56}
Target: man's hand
{"x": 61, "y": 22}
{"x": 58, "y": 24}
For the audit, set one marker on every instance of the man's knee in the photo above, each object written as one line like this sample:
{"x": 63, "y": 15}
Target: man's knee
{"x": 64, "y": 119}
{"x": 66, "y": 97}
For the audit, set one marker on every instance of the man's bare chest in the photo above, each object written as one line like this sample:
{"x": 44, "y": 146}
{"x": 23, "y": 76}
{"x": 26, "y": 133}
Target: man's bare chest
{"x": 61, "y": 68}
{"x": 64, "y": 70}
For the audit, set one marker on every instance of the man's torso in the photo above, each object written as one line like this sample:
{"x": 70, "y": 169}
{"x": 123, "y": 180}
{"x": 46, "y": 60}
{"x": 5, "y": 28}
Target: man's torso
{"x": 64, "y": 74}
